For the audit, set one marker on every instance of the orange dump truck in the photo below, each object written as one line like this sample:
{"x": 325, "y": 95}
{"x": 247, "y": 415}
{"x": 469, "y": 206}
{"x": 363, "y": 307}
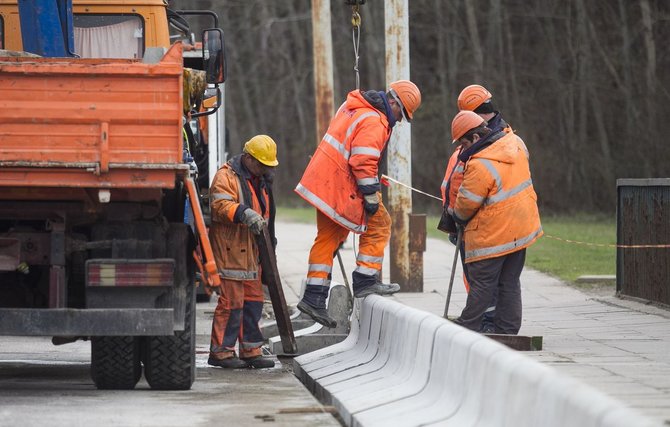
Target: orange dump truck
{"x": 95, "y": 187}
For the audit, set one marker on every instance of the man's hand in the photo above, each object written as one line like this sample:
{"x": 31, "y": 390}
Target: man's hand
{"x": 371, "y": 203}
{"x": 253, "y": 220}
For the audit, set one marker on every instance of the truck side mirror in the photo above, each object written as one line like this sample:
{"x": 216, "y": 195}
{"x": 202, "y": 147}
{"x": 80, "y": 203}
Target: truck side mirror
{"x": 213, "y": 55}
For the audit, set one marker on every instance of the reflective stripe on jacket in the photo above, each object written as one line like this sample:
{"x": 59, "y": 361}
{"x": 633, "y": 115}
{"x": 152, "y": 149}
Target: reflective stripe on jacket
{"x": 233, "y": 244}
{"x": 347, "y": 156}
{"x": 498, "y": 201}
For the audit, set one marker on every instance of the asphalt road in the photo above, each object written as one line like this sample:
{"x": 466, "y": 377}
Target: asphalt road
{"x": 46, "y": 385}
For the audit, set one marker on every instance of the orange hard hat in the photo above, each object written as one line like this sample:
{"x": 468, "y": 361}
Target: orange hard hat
{"x": 463, "y": 122}
{"x": 472, "y": 97}
{"x": 409, "y": 96}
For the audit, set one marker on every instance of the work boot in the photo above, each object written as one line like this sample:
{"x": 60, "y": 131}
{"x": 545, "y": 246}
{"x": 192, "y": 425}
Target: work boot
{"x": 365, "y": 284}
{"x": 259, "y": 362}
{"x": 378, "y": 288}
{"x": 228, "y": 363}
{"x": 488, "y": 329}
{"x": 319, "y": 315}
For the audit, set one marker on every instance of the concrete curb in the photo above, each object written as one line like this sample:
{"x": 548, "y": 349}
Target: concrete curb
{"x": 405, "y": 367}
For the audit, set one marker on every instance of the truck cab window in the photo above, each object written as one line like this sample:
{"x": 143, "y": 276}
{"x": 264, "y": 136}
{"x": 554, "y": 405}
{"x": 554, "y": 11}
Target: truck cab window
{"x": 109, "y": 36}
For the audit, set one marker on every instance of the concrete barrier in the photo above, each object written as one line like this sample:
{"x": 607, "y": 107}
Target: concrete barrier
{"x": 404, "y": 367}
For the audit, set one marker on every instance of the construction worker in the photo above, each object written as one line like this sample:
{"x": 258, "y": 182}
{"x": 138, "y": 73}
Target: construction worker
{"x": 241, "y": 205}
{"x": 497, "y": 206}
{"x": 342, "y": 183}
{"x": 478, "y": 99}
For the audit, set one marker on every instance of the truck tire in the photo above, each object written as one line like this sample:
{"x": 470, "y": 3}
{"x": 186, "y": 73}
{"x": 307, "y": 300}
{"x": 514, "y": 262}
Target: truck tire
{"x": 169, "y": 361}
{"x": 115, "y": 362}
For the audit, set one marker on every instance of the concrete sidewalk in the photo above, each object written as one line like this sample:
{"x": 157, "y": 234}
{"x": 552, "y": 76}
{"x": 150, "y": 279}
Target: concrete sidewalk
{"x": 618, "y": 346}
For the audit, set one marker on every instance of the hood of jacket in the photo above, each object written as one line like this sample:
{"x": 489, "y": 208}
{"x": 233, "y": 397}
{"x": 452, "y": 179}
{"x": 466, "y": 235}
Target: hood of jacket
{"x": 379, "y": 100}
{"x": 497, "y": 123}
{"x": 504, "y": 149}
{"x": 370, "y": 99}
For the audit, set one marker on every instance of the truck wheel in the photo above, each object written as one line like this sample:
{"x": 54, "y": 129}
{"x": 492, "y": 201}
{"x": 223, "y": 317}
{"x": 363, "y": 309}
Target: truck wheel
{"x": 169, "y": 361}
{"x": 115, "y": 362}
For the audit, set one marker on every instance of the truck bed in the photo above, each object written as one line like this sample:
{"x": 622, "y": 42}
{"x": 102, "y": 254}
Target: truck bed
{"x": 112, "y": 123}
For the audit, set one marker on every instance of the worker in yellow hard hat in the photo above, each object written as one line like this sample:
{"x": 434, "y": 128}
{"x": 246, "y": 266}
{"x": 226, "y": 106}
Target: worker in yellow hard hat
{"x": 497, "y": 206}
{"x": 342, "y": 183}
{"x": 242, "y": 205}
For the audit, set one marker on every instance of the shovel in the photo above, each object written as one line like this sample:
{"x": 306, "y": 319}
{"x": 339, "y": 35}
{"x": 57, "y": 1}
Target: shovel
{"x": 459, "y": 238}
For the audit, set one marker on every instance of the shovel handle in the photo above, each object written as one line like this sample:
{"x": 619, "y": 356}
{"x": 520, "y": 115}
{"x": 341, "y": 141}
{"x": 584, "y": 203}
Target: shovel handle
{"x": 459, "y": 238}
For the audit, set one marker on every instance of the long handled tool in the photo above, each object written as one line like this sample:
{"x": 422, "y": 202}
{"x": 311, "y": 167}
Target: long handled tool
{"x": 459, "y": 238}
{"x": 344, "y": 272}
{"x": 273, "y": 281}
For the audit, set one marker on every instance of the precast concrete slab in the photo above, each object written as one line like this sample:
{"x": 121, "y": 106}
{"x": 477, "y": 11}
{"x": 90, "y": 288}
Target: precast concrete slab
{"x": 589, "y": 330}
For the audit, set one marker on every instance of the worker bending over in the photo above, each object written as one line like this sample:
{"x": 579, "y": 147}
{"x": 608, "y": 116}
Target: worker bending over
{"x": 241, "y": 204}
{"x": 497, "y": 205}
{"x": 342, "y": 183}
{"x": 478, "y": 99}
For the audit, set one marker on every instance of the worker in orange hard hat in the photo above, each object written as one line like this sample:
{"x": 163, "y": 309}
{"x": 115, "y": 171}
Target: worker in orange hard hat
{"x": 342, "y": 183}
{"x": 241, "y": 205}
{"x": 497, "y": 206}
{"x": 478, "y": 99}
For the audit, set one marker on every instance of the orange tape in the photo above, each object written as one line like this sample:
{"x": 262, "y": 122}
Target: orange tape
{"x": 607, "y": 245}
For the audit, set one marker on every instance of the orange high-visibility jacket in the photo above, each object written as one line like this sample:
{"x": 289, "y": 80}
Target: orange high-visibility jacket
{"x": 347, "y": 156}
{"x": 234, "y": 246}
{"x": 456, "y": 177}
{"x": 498, "y": 201}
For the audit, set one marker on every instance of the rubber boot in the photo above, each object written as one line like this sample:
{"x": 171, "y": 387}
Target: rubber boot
{"x": 313, "y": 304}
{"x": 365, "y": 285}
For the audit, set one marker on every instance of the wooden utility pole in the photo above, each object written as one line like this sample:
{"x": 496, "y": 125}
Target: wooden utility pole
{"x": 396, "y": 26}
{"x": 323, "y": 65}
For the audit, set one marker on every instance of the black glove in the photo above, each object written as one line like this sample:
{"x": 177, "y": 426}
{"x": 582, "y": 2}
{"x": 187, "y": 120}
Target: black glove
{"x": 446, "y": 223}
{"x": 371, "y": 203}
{"x": 453, "y": 238}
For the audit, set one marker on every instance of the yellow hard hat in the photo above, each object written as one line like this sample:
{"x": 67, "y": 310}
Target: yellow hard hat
{"x": 263, "y": 149}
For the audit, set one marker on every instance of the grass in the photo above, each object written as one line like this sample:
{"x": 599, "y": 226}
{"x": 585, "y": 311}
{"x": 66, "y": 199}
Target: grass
{"x": 566, "y": 260}
{"x": 561, "y": 259}
{"x": 299, "y": 215}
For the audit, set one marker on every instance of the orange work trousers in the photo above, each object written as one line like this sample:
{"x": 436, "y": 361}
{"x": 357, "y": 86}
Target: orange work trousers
{"x": 236, "y": 317}
{"x": 330, "y": 235}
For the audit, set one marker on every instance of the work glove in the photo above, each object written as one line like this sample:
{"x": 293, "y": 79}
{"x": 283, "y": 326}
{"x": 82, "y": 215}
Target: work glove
{"x": 453, "y": 238}
{"x": 371, "y": 203}
{"x": 253, "y": 220}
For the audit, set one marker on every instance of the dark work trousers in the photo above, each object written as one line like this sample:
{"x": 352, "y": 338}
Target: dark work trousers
{"x": 489, "y": 315}
{"x": 487, "y": 276}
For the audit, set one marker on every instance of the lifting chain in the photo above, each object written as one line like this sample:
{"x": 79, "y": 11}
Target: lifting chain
{"x": 356, "y": 33}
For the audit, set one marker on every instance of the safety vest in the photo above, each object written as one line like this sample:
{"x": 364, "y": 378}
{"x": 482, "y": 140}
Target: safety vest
{"x": 347, "y": 156}
{"x": 234, "y": 246}
{"x": 497, "y": 199}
